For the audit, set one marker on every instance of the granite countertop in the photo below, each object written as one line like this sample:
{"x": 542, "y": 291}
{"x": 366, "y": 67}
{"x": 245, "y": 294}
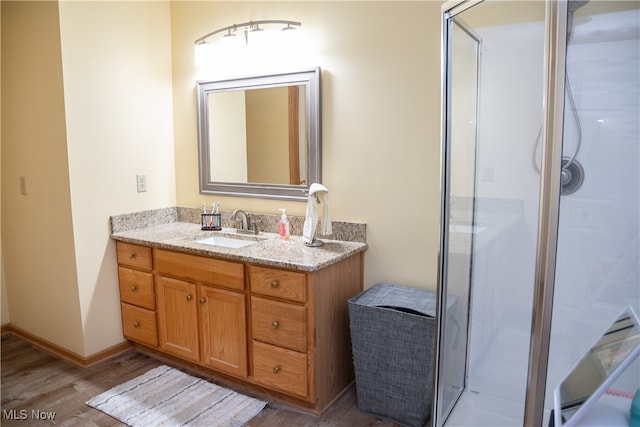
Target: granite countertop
{"x": 268, "y": 250}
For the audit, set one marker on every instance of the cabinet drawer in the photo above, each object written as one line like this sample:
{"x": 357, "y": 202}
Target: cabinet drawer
{"x": 279, "y": 323}
{"x": 136, "y": 287}
{"x": 139, "y": 324}
{"x": 200, "y": 269}
{"x": 289, "y": 285}
{"x": 134, "y": 255}
{"x": 280, "y": 369}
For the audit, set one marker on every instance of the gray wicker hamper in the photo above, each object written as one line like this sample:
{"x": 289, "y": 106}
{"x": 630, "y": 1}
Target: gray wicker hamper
{"x": 392, "y": 335}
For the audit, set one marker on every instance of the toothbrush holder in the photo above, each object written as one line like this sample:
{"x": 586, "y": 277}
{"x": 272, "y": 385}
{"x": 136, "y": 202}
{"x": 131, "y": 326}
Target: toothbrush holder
{"x": 211, "y": 221}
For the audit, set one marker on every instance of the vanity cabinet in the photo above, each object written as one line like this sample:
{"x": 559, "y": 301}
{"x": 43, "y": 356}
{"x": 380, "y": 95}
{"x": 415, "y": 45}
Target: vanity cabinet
{"x": 300, "y": 329}
{"x": 224, "y": 330}
{"x": 277, "y": 331}
{"x": 137, "y": 293}
{"x": 198, "y": 319}
{"x": 280, "y": 327}
{"x": 178, "y": 318}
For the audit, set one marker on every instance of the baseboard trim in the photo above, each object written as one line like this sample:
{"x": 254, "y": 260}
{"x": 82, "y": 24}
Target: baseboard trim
{"x": 62, "y": 353}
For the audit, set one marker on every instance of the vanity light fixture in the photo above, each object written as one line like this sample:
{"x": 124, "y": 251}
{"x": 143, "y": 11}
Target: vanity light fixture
{"x": 248, "y": 28}
{"x": 229, "y": 34}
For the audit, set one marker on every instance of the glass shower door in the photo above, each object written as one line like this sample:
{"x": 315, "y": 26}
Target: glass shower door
{"x": 465, "y": 48}
{"x": 549, "y": 202}
{"x": 493, "y": 112}
{"x": 598, "y": 272}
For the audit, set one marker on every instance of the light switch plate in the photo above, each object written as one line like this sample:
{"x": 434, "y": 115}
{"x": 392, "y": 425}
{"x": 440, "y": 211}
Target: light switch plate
{"x": 486, "y": 174}
{"x": 23, "y": 185}
{"x": 141, "y": 180}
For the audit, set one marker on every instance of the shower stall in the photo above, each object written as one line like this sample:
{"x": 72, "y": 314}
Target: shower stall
{"x": 540, "y": 229}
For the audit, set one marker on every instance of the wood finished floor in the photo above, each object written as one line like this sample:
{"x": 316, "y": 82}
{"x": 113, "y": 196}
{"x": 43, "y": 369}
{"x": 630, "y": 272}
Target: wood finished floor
{"x": 34, "y": 380}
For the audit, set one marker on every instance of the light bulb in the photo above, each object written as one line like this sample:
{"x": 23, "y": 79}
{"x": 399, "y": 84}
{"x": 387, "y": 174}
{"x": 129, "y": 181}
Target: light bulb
{"x": 257, "y": 37}
{"x": 204, "y": 53}
{"x": 289, "y": 37}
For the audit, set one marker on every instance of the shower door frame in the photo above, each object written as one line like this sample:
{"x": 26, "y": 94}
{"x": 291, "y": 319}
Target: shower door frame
{"x": 439, "y": 414}
{"x": 478, "y": 52}
{"x": 550, "y": 178}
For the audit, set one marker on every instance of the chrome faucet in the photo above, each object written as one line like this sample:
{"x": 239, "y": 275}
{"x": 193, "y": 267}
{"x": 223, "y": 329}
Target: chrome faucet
{"x": 244, "y": 219}
{"x": 247, "y": 226}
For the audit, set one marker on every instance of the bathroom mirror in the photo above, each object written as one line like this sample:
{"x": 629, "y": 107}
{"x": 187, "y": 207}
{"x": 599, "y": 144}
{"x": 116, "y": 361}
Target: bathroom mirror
{"x": 598, "y": 369}
{"x": 260, "y": 136}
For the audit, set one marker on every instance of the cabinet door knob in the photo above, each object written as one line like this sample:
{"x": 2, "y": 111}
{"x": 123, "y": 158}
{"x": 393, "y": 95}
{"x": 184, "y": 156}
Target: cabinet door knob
{"x": 276, "y": 369}
{"x": 132, "y": 255}
{"x": 136, "y": 324}
{"x": 189, "y": 297}
{"x": 202, "y": 300}
{"x": 134, "y": 288}
{"x": 275, "y": 284}
{"x": 275, "y": 324}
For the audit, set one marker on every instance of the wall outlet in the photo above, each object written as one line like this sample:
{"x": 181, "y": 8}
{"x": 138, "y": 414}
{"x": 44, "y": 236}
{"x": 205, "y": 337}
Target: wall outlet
{"x": 141, "y": 180}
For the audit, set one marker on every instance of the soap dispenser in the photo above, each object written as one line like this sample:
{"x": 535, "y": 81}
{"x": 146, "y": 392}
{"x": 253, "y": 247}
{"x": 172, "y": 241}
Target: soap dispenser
{"x": 284, "y": 225}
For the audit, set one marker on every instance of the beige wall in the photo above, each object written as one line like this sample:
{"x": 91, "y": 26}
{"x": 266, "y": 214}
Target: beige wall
{"x": 117, "y": 80}
{"x": 228, "y": 160}
{"x": 86, "y": 103}
{"x": 37, "y": 235}
{"x": 268, "y": 135}
{"x": 380, "y": 109}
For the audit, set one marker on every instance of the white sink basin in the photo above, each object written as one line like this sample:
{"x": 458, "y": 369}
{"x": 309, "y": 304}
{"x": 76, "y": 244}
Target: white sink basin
{"x": 226, "y": 242}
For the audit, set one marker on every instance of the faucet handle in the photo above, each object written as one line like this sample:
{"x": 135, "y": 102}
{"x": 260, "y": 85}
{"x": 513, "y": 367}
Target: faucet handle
{"x": 253, "y": 226}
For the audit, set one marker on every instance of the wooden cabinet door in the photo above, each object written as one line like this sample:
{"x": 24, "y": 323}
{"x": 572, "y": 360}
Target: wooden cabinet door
{"x": 178, "y": 317}
{"x": 224, "y": 330}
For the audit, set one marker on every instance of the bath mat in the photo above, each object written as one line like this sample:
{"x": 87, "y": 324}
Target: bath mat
{"x": 168, "y": 397}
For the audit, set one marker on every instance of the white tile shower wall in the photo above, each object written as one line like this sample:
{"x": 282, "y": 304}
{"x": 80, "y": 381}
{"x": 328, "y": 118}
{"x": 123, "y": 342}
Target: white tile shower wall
{"x": 510, "y": 113}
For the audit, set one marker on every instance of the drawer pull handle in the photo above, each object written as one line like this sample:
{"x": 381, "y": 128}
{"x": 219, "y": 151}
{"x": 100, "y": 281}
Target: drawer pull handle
{"x": 202, "y": 300}
{"x": 275, "y": 324}
{"x": 132, "y": 255}
{"x": 276, "y": 369}
{"x": 136, "y": 324}
{"x": 134, "y": 288}
{"x": 189, "y": 297}
{"x": 275, "y": 284}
